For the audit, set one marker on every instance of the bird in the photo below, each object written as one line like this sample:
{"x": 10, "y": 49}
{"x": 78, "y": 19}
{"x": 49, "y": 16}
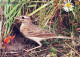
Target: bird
{"x": 34, "y": 32}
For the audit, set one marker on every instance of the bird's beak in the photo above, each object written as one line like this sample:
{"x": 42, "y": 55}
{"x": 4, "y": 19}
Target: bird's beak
{"x": 16, "y": 18}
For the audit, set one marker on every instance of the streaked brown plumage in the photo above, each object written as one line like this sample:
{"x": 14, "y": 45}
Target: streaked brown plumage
{"x": 35, "y": 33}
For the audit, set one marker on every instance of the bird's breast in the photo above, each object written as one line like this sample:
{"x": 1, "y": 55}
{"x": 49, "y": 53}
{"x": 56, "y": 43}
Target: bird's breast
{"x": 22, "y": 26}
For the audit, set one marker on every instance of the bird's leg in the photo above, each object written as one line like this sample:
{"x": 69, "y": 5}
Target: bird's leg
{"x": 34, "y": 47}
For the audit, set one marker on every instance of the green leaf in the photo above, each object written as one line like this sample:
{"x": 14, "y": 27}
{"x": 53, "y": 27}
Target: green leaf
{"x": 32, "y": 5}
{"x": 45, "y": 42}
{"x": 53, "y": 50}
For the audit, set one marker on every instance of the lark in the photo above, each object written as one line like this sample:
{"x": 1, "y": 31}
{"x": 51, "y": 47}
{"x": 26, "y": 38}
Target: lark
{"x": 35, "y": 33}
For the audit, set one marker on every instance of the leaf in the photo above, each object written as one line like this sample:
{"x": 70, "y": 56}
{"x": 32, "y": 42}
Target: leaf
{"x": 7, "y": 40}
{"x": 32, "y": 5}
{"x": 12, "y": 37}
{"x": 46, "y": 42}
{"x": 53, "y": 50}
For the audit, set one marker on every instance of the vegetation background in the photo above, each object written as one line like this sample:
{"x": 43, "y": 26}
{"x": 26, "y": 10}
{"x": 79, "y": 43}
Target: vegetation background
{"x": 49, "y": 15}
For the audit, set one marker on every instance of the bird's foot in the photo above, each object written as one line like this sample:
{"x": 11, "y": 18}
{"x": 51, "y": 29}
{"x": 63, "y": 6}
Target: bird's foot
{"x": 27, "y": 50}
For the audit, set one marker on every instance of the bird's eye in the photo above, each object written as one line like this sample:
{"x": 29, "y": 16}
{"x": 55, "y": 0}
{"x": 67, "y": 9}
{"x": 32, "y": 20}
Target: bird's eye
{"x": 22, "y": 17}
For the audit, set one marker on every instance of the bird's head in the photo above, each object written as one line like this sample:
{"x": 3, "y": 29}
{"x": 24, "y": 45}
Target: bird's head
{"x": 23, "y": 19}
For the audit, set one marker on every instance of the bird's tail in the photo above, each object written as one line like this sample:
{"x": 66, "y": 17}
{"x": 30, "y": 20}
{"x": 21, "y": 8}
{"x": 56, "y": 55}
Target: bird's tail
{"x": 58, "y": 37}
{"x": 45, "y": 38}
{"x": 61, "y": 37}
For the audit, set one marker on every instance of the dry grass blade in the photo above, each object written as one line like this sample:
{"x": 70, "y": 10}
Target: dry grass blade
{"x": 73, "y": 49}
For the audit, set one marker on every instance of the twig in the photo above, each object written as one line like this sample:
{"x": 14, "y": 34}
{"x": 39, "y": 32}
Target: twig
{"x": 73, "y": 49}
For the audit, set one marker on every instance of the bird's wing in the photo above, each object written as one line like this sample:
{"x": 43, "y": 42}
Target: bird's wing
{"x": 35, "y": 31}
{"x": 42, "y": 33}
